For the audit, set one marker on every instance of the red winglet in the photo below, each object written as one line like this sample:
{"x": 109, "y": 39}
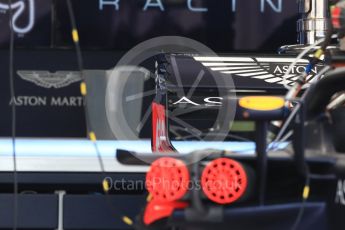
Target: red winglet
{"x": 160, "y": 137}
{"x": 156, "y": 210}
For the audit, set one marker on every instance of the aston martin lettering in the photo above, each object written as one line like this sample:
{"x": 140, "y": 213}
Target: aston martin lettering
{"x": 208, "y": 101}
{"x": 29, "y": 101}
{"x": 67, "y": 101}
{"x": 52, "y": 81}
{"x": 296, "y": 69}
{"x": 270, "y": 70}
{"x": 35, "y": 101}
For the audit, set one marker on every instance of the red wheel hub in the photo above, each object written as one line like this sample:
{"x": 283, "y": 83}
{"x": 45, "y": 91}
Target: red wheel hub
{"x": 224, "y": 181}
{"x": 167, "y": 179}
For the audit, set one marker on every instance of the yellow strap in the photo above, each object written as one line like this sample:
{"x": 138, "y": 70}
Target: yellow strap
{"x": 75, "y": 35}
{"x": 83, "y": 89}
{"x": 149, "y": 197}
{"x": 318, "y": 53}
{"x": 306, "y": 191}
{"x": 127, "y": 220}
{"x": 92, "y": 136}
{"x": 106, "y": 186}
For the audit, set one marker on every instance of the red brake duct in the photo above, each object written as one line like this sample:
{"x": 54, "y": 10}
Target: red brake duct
{"x": 167, "y": 179}
{"x": 224, "y": 181}
{"x": 160, "y": 137}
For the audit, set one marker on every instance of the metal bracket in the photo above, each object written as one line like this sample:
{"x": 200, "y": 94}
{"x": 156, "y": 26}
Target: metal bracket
{"x": 61, "y": 195}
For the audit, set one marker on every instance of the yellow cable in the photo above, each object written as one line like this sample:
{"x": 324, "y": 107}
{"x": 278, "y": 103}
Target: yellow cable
{"x": 92, "y": 135}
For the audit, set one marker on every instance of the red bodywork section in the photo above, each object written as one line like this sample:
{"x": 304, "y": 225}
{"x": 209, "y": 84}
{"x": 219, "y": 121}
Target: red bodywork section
{"x": 160, "y": 137}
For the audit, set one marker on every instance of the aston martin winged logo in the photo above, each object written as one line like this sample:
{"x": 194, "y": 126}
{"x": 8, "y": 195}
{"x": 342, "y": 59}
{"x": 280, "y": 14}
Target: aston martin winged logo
{"x": 270, "y": 70}
{"x": 48, "y": 79}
